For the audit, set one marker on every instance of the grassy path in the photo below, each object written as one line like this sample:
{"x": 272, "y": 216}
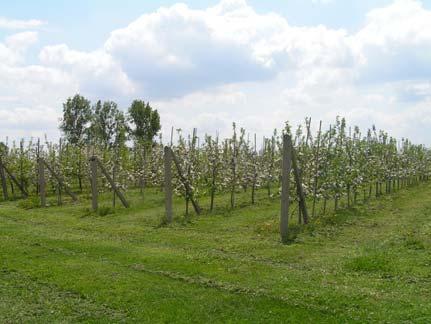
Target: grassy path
{"x": 368, "y": 264}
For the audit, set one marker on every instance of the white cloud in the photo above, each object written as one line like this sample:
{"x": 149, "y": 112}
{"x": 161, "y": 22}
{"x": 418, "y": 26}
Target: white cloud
{"x": 7, "y": 56}
{"x": 19, "y": 43}
{"x": 395, "y": 42}
{"x": 177, "y": 50}
{"x": 208, "y": 68}
{"x": 13, "y": 49}
{"x": 96, "y": 72}
{"x": 30, "y": 95}
{"x": 22, "y": 41}
{"x": 401, "y": 23}
{"x": 6, "y": 23}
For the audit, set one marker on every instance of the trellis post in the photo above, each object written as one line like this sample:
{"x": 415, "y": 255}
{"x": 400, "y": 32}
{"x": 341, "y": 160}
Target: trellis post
{"x": 112, "y": 183}
{"x": 3, "y": 181}
{"x": 298, "y": 180}
{"x": 285, "y": 184}
{"x": 168, "y": 183}
{"x": 42, "y": 183}
{"x": 316, "y": 171}
{"x": 189, "y": 191}
{"x": 60, "y": 180}
{"x": 94, "y": 192}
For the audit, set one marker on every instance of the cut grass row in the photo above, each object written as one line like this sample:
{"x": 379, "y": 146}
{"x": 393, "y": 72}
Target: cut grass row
{"x": 370, "y": 263}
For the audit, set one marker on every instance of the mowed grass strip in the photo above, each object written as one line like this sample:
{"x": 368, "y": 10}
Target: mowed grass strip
{"x": 371, "y": 263}
{"x": 22, "y": 299}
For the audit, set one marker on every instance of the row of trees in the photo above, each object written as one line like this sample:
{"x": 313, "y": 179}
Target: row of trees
{"x": 103, "y": 127}
{"x": 339, "y": 163}
{"x": 104, "y": 124}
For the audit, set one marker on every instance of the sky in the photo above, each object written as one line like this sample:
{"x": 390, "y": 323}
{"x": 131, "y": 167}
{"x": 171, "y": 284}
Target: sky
{"x": 206, "y": 64}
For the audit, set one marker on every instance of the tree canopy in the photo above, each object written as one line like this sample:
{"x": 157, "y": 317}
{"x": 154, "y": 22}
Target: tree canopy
{"x": 105, "y": 124}
{"x": 145, "y": 120}
{"x": 108, "y": 124}
{"x": 76, "y": 118}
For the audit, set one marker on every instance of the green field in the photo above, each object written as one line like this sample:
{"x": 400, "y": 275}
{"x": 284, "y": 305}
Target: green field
{"x": 65, "y": 264}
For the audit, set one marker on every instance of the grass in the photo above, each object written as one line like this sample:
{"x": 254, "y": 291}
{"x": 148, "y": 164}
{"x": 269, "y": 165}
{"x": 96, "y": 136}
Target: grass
{"x": 371, "y": 263}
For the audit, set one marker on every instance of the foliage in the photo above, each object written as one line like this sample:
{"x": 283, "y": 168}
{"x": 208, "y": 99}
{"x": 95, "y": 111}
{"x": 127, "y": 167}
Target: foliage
{"x": 336, "y": 163}
{"x": 76, "y": 119}
{"x": 108, "y": 125}
{"x": 146, "y": 121}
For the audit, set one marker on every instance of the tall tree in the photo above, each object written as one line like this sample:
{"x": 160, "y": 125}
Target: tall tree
{"x": 120, "y": 129}
{"x": 108, "y": 124}
{"x": 146, "y": 121}
{"x": 146, "y": 125}
{"x": 76, "y": 119}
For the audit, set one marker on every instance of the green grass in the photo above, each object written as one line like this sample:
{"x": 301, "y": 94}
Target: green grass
{"x": 67, "y": 264}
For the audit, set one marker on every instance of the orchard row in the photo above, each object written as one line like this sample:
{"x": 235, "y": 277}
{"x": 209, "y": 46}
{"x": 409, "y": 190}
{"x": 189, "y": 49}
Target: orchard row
{"x": 338, "y": 163}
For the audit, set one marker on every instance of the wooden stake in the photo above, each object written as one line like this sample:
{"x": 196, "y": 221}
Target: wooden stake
{"x": 114, "y": 187}
{"x": 168, "y": 184}
{"x": 59, "y": 180}
{"x": 14, "y": 180}
{"x": 3, "y": 181}
{"x": 172, "y": 135}
{"x": 186, "y": 184}
{"x": 214, "y": 172}
{"x": 94, "y": 192}
{"x": 253, "y": 187}
{"x": 285, "y": 185}
{"x": 42, "y": 183}
{"x": 316, "y": 172}
{"x": 298, "y": 180}
{"x": 59, "y": 199}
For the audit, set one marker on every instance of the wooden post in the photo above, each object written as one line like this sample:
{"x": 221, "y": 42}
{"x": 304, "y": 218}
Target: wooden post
{"x": 59, "y": 198}
{"x": 234, "y": 169}
{"x": 42, "y": 183}
{"x": 316, "y": 171}
{"x": 94, "y": 193}
{"x": 298, "y": 180}
{"x": 12, "y": 188}
{"x": 112, "y": 183}
{"x": 253, "y": 187}
{"x": 114, "y": 171}
{"x": 3, "y": 181}
{"x": 60, "y": 181}
{"x": 285, "y": 184}
{"x": 143, "y": 170}
{"x": 192, "y": 145}
{"x": 172, "y": 135}
{"x": 14, "y": 180}
{"x": 168, "y": 183}
{"x": 37, "y": 155}
{"x": 186, "y": 184}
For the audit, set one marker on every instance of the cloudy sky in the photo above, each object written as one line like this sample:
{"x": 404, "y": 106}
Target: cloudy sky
{"x": 208, "y": 63}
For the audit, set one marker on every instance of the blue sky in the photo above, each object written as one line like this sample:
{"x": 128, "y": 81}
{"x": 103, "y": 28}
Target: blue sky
{"x": 208, "y": 63}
